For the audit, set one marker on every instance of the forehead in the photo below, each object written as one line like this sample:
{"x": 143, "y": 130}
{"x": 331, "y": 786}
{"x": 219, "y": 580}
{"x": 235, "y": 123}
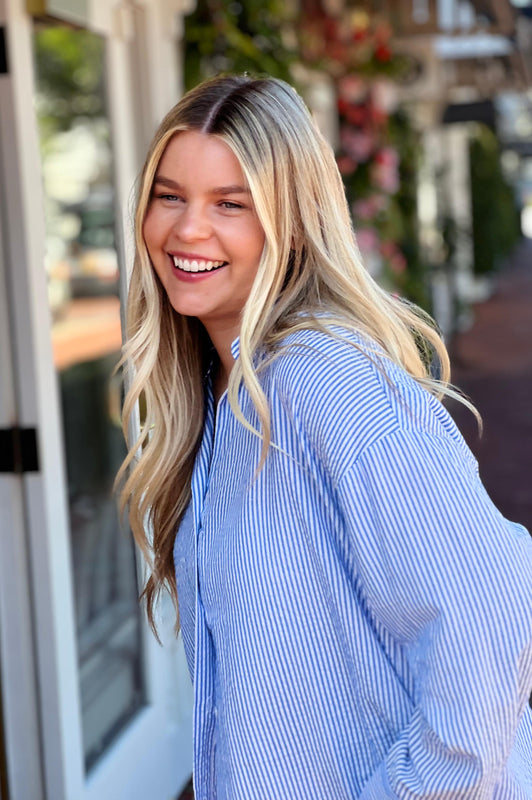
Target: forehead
{"x": 195, "y": 156}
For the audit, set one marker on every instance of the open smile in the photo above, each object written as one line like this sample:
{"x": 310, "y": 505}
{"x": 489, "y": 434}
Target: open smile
{"x": 199, "y": 265}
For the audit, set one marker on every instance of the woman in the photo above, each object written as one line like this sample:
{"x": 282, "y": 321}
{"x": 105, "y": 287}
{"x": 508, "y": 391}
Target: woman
{"x": 356, "y": 614}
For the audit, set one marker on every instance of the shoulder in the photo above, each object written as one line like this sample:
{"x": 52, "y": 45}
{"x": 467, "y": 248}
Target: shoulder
{"x": 317, "y": 369}
{"x": 336, "y": 370}
{"x": 339, "y": 389}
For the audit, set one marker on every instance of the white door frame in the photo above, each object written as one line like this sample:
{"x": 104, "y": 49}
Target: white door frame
{"x": 153, "y": 757}
{"x": 21, "y": 720}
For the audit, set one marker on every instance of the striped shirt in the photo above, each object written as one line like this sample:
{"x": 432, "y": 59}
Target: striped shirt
{"x": 357, "y": 619}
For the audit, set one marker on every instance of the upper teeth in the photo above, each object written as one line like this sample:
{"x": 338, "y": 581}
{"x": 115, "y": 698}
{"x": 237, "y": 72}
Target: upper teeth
{"x": 195, "y": 266}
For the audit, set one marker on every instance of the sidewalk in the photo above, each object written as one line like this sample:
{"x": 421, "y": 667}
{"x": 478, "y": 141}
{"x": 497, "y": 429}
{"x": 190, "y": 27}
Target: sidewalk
{"x": 492, "y": 364}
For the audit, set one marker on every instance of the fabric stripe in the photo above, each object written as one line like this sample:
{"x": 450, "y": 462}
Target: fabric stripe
{"x": 358, "y": 619}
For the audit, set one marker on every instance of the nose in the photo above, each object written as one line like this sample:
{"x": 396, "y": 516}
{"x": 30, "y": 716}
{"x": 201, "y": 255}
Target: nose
{"x": 193, "y": 223}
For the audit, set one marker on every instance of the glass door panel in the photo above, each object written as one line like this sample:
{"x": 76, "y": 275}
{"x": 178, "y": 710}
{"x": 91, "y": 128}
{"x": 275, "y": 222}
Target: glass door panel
{"x": 83, "y": 288}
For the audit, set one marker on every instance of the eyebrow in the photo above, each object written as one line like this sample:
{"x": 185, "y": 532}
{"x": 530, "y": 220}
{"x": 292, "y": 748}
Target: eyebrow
{"x": 219, "y": 190}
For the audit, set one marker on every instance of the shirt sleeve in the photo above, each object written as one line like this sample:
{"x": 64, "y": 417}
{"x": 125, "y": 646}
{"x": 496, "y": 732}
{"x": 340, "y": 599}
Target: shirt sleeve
{"x": 450, "y": 580}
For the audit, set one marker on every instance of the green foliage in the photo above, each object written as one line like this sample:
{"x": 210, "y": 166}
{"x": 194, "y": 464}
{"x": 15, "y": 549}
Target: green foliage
{"x": 243, "y": 36}
{"x": 406, "y": 139}
{"x": 495, "y": 220}
{"x": 69, "y": 85}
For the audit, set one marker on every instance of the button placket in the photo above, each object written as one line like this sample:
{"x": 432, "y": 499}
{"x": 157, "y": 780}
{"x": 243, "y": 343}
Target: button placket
{"x": 200, "y": 480}
{"x": 204, "y": 668}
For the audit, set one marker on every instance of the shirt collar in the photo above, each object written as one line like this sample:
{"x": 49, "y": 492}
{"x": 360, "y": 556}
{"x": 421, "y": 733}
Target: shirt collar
{"x": 235, "y": 348}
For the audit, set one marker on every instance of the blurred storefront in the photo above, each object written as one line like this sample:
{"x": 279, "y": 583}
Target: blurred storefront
{"x": 92, "y": 706}
{"x": 423, "y": 88}
{"x": 466, "y": 57}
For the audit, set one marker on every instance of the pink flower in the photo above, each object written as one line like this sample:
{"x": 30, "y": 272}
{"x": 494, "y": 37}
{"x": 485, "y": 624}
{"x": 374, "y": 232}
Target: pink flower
{"x": 388, "y": 156}
{"x": 369, "y": 207}
{"x": 388, "y": 249}
{"x": 363, "y": 209}
{"x": 346, "y": 165}
{"x": 385, "y": 172}
{"x": 357, "y": 144}
{"x": 368, "y": 240}
{"x": 398, "y": 264}
{"x": 395, "y": 258}
{"x": 352, "y": 88}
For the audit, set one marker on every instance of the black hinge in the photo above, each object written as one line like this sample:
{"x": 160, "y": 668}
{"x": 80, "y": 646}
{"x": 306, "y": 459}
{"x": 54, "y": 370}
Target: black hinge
{"x": 18, "y": 450}
{"x": 3, "y": 51}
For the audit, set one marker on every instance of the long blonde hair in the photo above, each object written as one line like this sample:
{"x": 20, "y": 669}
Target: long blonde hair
{"x": 310, "y": 263}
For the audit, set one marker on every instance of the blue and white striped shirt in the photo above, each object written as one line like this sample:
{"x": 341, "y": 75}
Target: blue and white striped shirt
{"x": 358, "y": 619}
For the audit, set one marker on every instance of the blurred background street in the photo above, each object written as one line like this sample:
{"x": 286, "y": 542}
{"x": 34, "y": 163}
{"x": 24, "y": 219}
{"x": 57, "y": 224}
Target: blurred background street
{"x": 492, "y": 364}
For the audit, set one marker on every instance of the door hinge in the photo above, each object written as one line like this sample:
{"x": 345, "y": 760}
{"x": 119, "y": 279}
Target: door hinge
{"x": 18, "y": 450}
{"x": 3, "y": 51}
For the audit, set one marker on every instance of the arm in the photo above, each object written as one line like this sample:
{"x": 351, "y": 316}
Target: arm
{"x": 451, "y": 581}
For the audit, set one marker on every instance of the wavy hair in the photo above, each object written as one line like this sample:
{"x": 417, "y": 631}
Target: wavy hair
{"x": 310, "y": 264}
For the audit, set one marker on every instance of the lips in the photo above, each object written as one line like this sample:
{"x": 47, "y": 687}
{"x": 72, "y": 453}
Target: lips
{"x": 196, "y": 265}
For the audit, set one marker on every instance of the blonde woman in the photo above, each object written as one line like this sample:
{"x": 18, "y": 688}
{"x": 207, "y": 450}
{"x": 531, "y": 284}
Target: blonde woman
{"x": 356, "y": 614}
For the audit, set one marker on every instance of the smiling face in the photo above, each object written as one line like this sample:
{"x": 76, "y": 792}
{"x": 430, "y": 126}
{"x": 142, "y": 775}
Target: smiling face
{"x": 202, "y": 233}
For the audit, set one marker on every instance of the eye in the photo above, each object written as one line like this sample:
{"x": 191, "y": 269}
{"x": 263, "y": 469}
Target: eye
{"x": 230, "y": 205}
{"x": 166, "y": 196}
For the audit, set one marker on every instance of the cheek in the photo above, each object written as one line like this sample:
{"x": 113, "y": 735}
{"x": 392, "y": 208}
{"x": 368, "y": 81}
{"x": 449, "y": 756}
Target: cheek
{"x": 152, "y": 236}
{"x": 256, "y": 242}
{"x": 154, "y": 229}
{"x": 149, "y": 230}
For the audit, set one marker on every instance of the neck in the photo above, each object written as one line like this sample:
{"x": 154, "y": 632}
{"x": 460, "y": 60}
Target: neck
{"x": 219, "y": 384}
{"x": 222, "y": 340}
